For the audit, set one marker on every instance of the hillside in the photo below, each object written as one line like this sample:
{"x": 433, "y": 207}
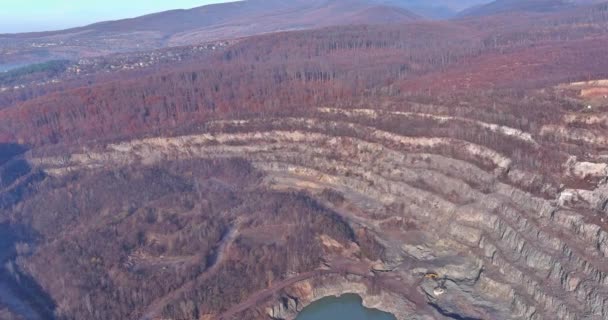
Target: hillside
{"x": 531, "y": 6}
{"x": 202, "y": 24}
{"x": 436, "y": 9}
{"x": 439, "y": 169}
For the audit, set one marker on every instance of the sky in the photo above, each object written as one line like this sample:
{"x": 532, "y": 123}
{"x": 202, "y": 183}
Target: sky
{"x": 43, "y": 15}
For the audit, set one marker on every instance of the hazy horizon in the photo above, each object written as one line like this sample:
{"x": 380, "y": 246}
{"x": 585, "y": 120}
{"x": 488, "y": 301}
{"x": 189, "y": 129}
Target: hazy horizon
{"x": 48, "y": 15}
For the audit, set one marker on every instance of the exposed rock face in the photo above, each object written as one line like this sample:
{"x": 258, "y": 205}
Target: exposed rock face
{"x": 505, "y": 239}
{"x": 304, "y": 293}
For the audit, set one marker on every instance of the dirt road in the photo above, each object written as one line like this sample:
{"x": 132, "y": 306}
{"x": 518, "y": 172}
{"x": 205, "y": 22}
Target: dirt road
{"x": 156, "y": 307}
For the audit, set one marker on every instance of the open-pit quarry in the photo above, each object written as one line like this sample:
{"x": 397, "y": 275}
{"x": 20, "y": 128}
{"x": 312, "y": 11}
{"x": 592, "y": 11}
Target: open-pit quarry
{"x": 437, "y": 168}
{"x": 465, "y": 224}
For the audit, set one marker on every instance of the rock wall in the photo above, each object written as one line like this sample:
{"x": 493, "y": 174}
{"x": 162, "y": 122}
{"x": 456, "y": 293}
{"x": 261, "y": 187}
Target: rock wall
{"x": 505, "y": 239}
{"x": 304, "y": 293}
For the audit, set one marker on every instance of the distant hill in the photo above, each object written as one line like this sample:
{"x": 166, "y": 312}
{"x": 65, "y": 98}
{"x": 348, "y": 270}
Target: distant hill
{"x": 183, "y": 27}
{"x": 437, "y": 9}
{"x": 539, "y": 6}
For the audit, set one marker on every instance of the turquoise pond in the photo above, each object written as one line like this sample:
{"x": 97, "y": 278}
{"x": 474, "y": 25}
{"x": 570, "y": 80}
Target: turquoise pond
{"x": 345, "y": 307}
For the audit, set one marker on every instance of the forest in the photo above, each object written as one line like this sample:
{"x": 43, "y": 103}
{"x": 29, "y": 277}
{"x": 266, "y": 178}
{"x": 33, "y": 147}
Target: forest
{"x": 219, "y": 183}
{"x": 303, "y": 69}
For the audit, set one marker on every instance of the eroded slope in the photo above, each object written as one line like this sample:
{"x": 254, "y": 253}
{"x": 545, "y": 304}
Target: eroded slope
{"x": 512, "y": 220}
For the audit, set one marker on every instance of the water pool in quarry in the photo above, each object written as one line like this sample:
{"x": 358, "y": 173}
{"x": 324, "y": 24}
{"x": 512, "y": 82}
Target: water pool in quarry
{"x": 345, "y": 307}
